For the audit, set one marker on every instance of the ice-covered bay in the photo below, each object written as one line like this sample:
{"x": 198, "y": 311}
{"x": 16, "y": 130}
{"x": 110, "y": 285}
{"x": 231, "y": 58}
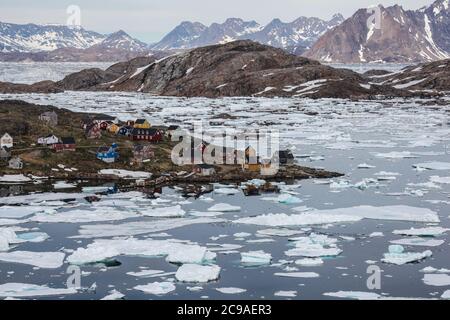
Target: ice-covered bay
{"x": 316, "y": 239}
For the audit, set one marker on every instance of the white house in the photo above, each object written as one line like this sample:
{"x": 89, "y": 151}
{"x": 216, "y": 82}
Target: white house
{"x": 6, "y": 141}
{"x": 48, "y": 140}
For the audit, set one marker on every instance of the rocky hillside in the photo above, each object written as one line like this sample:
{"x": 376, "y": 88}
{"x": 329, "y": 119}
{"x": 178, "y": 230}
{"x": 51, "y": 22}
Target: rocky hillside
{"x": 240, "y": 68}
{"x": 433, "y": 76}
{"x": 403, "y": 36}
{"x": 294, "y": 36}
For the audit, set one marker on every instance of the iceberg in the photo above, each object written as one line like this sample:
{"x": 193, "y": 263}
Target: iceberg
{"x": 287, "y": 294}
{"x": 21, "y": 290}
{"x": 279, "y": 232}
{"x": 436, "y": 165}
{"x": 356, "y": 295}
{"x": 417, "y": 241}
{"x": 156, "y": 288}
{"x": 226, "y": 191}
{"x": 45, "y": 260}
{"x": 255, "y": 258}
{"x": 113, "y": 295}
{"x": 197, "y": 273}
{"x": 309, "y": 262}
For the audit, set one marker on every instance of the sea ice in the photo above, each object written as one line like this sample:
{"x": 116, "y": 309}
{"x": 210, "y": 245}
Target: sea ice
{"x": 84, "y": 216}
{"x": 126, "y": 173}
{"x": 437, "y": 280}
{"x": 417, "y": 241}
{"x": 396, "y": 255}
{"x": 433, "y": 165}
{"x": 168, "y": 212}
{"x": 46, "y": 260}
{"x": 297, "y": 274}
{"x": 224, "y": 207}
{"x": 231, "y": 290}
{"x": 255, "y": 258}
{"x": 309, "y": 262}
{"x": 197, "y": 273}
{"x": 20, "y": 290}
{"x": 156, "y": 288}
{"x": 425, "y": 232}
{"x": 113, "y": 295}
{"x": 357, "y": 295}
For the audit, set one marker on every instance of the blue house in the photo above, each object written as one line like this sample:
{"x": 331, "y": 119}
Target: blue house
{"x": 108, "y": 155}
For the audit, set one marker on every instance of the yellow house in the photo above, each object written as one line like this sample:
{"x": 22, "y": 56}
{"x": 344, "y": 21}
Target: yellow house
{"x": 113, "y": 128}
{"x": 142, "y": 124}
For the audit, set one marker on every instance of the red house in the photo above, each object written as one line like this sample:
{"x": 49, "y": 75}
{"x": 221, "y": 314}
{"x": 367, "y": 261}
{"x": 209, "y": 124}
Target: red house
{"x": 152, "y": 135}
{"x": 66, "y": 144}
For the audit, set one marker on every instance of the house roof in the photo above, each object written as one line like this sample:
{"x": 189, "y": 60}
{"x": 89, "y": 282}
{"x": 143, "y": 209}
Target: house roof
{"x": 146, "y": 132}
{"x": 68, "y": 140}
{"x": 140, "y": 121}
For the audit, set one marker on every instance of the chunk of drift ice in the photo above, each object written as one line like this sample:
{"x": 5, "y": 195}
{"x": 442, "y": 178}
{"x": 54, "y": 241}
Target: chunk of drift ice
{"x": 397, "y": 255}
{"x": 20, "y": 212}
{"x": 41, "y": 197}
{"x": 63, "y": 185}
{"x": 197, "y": 273}
{"x": 33, "y": 236}
{"x": 231, "y": 290}
{"x": 433, "y": 165}
{"x": 396, "y": 155}
{"x": 20, "y": 290}
{"x": 309, "y": 262}
{"x": 170, "y": 212}
{"x": 47, "y": 260}
{"x": 113, "y": 295}
{"x": 365, "y": 166}
{"x": 126, "y": 174}
{"x": 425, "y": 232}
{"x": 14, "y": 178}
{"x": 255, "y": 258}
{"x": 288, "y": 199}
{"x": 416, "y": 241}
{"x": 278, "y": 232}
{"x": 101, "y": 250}
{"x": 286, "y": 294}
{"x": 139, "y": 227}
{"x": 437, "y": 280}
{"x": 156, "y": 288}
{"x": 224, "y": 207}
{"x": 400, "y": 213}
{"x": 145, "y": 273}
{"x": 356, "y": 295}
{"x": 440, "y": 180}
{"x": 85, "y": 216}
{"x": 227, "y": 191}
{"x": 297, "y": 274}
{"x": 313, "y": 250}
{"x": 446, "y": 295}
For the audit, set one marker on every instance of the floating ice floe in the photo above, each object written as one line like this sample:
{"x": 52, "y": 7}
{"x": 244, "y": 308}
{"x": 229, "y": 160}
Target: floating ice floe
{"x": 309, "y": 262}
{"x": 126, "y": 174}
{"x": 396, "y": 155}
{"x": 168, "y": 212}
{"x": 21, "y": 290}
{"x": 376, "y": 234}
{"x": 101, "y": 250}
{"x": 45, "y": 260}
{"x": 352, "y": 214}
{"x": 435, "y": 165}
{"x": 20, "y": 212}
{"x": 256, "y": 258}
{"x": 226, "y": 191}
{"x": 197, "y": 273}
{"x": 437, "y": 280}
{"x": 139, "y": 227}
{"x": 314, "y": 246}
{"x": 205, "y": 214}
{"x": 242, "y": 235}
{"x": 231, "y": 290}
{"x": 356, "y": 295}
{"x": 224, "y": 207}
{"x": 434, "y": 270}
{"x": 397, "y": 256}
{"x": 64, "y": 185}
{"x": 156, "y": 288}
{"x": 14, "y": 179}
{"x": 425, "y": 232}
{"x": 417, "y": 241}
{"x": 288, "y": 199}
{"x": 145, "y": 273}
{"x": 440, "y": 180}
{"x": 297, "y": 274}
{"x": 365, "y": 166}
{"x": 42, "y": 197}
{"x": 279, "y": 232}
{"x": 84, "y": 216}
{"x": 113, "y": 295}
{"x": 446, "y": 295}
{"x": 286, "y": 294}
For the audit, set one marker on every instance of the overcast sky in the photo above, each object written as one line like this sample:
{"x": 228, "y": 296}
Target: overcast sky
{"x": 150, "y": 20}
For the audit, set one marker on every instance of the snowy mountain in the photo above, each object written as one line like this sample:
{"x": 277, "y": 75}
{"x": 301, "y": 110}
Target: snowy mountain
{"x": 294, "y": 36}
{"x": 403, "y": 36}
{"x": 35, "y": 38}
{"x": 120, "y": 40}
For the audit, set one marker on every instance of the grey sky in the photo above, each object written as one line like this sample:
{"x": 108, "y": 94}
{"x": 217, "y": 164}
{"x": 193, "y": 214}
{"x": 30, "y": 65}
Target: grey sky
{"x": 149, "y": 20}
